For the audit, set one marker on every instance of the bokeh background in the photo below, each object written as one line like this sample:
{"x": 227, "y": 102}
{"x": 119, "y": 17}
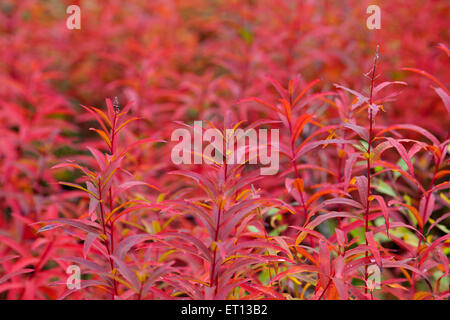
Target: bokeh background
{"x": 178, "y": 60}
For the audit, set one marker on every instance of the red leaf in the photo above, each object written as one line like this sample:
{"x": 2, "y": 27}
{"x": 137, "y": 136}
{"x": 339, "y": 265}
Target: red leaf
{"x": 384, "y": 209}
{"x": 99, "y": 157}
{"x": 374, "y": 248}
{"x": 403, "y": 154}
{"x": 74, "y": 223}
{"x": 127, "y": 273}
{"x": 13, "y": 274}
{"x": 361, "y": 185}
{"x": 429, "y": 207}
{"x": 361, "y": 131}
{"x": 324, "y": 262}
{"x": 445, "y": 97}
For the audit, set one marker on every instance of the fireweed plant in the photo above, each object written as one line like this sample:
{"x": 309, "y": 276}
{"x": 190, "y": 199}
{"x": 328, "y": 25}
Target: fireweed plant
{"x": 359, "y": 207}
{"x": 209, "y": 239}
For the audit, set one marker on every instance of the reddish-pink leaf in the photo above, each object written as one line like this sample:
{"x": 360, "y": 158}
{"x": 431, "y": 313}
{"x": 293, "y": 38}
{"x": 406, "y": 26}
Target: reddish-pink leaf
{"x": 426, "y": 207}
{"x": 15, "y": 273}
{"x": 382, "y": 85}
{"x": 444, "y": 96}
{"x": 403, "y": 154}
{"x": 99, "y": 157}
{"x": 361, "y": 131}
{"x": 384, "y": 210}
{"x": 127, "y": 273}
{"x": 74, "y": 223}
{"x": 361, "y": 185}
{"x": 90, "y": 238}
{"x": 374, "y": 248}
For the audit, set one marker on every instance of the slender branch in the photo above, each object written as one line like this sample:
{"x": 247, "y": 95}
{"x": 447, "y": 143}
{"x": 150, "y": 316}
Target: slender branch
{"x": 372, "y": 78}
{"x": 102, "y": 217}
{"x": 427, "y": 200}
{"x": 293, "y": 161}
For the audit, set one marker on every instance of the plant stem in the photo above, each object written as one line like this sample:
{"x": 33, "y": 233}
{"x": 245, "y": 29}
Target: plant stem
{"x": 214, "y": 280}
{"x": 372, "y": 78}
{"x": 102, "y": 213}
{"x": 111, "y": 251}
{"x": 326, "y": 288}
{"x": 427, "y": 200}
{"x": 293, "y": 161}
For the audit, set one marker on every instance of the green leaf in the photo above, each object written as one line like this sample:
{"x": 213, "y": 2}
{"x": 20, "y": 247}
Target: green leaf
{"x": 246, "y": 34}
{"x": 407, "y": 199}
{"x": 380, "y": 237}
{"x": 441, "y": 227}
{"x": 253, "y": 229}
{"x": 358, "y": 233}
{"x": 378, "y": 168}
{"x": 383, "y": 187}
{"x": 363, "y": 147}
{"x": 402, "y": 164}
{"x": 278, "y": 230}
{"x": 272, "y": 211}
{"x": 264, "y": 276}
{"x": 406, "y": 235}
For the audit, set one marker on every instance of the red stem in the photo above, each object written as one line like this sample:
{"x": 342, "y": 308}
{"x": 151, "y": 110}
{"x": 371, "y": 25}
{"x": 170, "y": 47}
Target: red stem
{"x": 113, "y": 134}
{"x": 372, "y": 78}
{"x": 429, "y": 192}
{"x": 214, "y": 280}
{"x": 293, "y": 161}
{"x": 102, "y": 212}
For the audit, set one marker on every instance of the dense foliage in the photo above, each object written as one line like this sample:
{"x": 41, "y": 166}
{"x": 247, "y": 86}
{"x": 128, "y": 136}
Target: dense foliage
{"x": 86, "y": 176}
